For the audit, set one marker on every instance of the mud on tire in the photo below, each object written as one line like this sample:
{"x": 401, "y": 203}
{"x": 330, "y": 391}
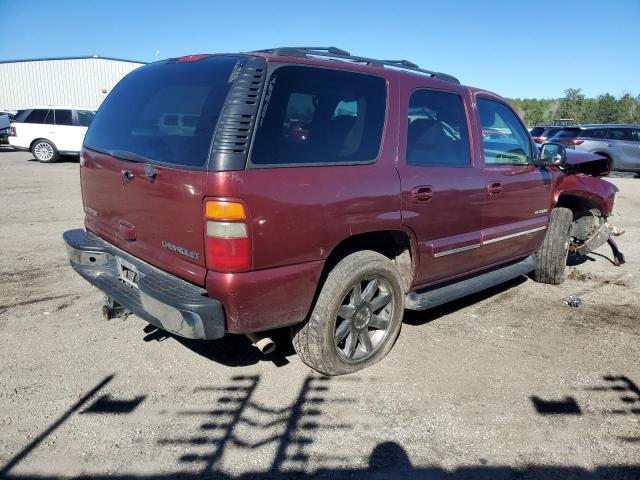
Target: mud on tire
{"x": 342, "y": 316}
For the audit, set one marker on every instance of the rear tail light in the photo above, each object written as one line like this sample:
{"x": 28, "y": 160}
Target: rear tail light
{"x": 539, "y": 139}
{"x": 13, "y": 132}
{"x": 227, "y": 245}
{"x": 573, "y": 141}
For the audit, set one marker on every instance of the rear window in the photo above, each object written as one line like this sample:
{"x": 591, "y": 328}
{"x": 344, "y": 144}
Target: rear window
{"x": 139, "y": 115}
{"x": 536, "y": 131}
{"x": 320, "y": 116}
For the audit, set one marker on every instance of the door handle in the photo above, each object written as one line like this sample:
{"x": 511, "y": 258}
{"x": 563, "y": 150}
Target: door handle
{"x": 422, "y": 194}
{"x": 494, "y": 189}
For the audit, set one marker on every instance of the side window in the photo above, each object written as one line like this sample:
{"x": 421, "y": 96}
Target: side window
{"x": 84, "y": 117}
{"x": 619, "y": 134}
{"x": 437, "y": 134}
{"x": 513, "y": 145}
{"x": 39, "y": 116}
{"x": 636, "y": 135}
{"x": 63, "y": 117}
{"x": 320, "y": 116}
{"x": 595, "y": 133}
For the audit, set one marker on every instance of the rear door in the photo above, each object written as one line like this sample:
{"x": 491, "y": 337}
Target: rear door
{"x": 517, "y": 193}
{"x": 66, "y": 136}
{"x": 143, "y": 186}
{"x": 442, "y": 187}
{"x": 624, "y": 146}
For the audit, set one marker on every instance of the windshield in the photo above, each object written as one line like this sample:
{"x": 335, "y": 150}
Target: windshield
{"x": 165, "y": 112}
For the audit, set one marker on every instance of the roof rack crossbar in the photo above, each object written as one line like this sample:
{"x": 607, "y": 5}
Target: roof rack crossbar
{"x": 334, "y": 52}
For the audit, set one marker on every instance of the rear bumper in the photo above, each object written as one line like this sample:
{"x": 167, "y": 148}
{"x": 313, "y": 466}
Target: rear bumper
{"x": 162, "y": 299}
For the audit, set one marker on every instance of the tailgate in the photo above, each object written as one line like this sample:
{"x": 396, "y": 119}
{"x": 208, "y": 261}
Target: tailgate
{"x": 154, "y": 215}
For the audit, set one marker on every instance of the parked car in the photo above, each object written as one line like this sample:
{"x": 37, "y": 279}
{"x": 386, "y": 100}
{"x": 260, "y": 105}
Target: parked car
{"x": 5, "y": 127}
{"x": 50, "y": 131}
{"x": 543, "y": 133}
{"x": 391, "y": 199}
{"x": 620, "y": 144}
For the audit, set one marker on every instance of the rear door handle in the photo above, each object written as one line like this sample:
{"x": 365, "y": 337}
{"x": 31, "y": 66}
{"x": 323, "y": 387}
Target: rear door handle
{"x": 422, "y": 194}
{"x": 494, "y": 189}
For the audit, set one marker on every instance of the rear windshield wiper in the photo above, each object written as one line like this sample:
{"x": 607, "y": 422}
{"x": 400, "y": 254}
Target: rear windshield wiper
{"x": 126, "y": 155}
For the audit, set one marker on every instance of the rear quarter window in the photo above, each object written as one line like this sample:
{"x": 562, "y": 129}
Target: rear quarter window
{"x": 320, "y": 116}
{"x": 39, "y": 116}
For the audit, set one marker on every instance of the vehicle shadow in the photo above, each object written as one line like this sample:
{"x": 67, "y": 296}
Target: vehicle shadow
{"x": 426, "y": 316}
{"x": 61, "y": 159}
{"x": 232, "y": 350}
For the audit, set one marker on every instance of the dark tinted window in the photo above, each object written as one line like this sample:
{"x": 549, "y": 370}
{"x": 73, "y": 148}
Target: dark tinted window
{"x": 512, "y": 146}
{"x": 437, "y": 132}
{"x": 594, "y": 133}
{"x": 131, "y": 117}
{"x": 320, "y": 116}
{"x": 568, "y": 133}
{"x": 550, "y": 132}
{"x": 636, "y": 135}
{"x": 39, "y": 116}
{"x": 537, "y": 131}
{"x": 619, "y": 134}
{"x": 84, "y": 117}
{"x": 63, "y": 117}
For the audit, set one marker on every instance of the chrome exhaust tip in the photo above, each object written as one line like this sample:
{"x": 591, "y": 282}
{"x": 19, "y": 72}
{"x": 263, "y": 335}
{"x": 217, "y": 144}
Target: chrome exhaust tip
{"x": 262, "y": 342}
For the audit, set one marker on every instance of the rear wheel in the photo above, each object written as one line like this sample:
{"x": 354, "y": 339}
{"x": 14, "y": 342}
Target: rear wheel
{"x": 44, "y": 151}
{"x": 356, "y": 318}
{"x": 551, "y": 258}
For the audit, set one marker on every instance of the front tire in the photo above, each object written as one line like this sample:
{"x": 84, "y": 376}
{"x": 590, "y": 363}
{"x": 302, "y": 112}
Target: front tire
{"x": 45, "y": 151}
{"x": 551, "y": 258}
{"x": 356, "y": 318}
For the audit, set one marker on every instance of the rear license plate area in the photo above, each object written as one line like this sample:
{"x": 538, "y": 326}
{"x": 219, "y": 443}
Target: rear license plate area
{"x": 128, "y": 273}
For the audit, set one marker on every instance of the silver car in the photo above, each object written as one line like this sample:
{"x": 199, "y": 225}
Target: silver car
{"x": 619, "y": 143}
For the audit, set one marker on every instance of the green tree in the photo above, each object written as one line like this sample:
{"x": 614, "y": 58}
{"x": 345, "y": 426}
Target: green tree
{"x": 627, "y": 105}
{"x": 607, "y": 109}
{"x": 571, "y": 104}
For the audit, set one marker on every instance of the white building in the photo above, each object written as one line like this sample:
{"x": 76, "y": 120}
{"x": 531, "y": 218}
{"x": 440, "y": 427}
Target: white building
{"x": 82, "y": 81}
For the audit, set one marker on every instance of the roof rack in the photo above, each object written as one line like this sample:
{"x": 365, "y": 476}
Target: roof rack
{"x": 338, "y": 53}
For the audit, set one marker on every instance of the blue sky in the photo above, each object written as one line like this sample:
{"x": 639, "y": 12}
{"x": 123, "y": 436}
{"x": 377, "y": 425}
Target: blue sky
{"x": 512, "y": 47}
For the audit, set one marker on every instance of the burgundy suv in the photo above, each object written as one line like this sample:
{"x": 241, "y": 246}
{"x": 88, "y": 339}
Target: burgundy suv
{"x": 320, "y": 191}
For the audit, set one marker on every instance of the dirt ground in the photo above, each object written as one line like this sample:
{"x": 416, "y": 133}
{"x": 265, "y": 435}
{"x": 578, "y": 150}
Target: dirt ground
{"x": 511, "y": 383}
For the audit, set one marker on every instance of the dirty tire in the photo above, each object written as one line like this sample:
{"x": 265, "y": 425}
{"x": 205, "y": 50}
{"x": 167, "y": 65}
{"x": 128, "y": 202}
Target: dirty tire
{"x": 45, "y": 151}
{"x": 314, "y": 339}
{"x": 551, "y": 258}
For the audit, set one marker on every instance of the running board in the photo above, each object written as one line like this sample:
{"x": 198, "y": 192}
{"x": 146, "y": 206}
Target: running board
{"x": 446, "y": 292}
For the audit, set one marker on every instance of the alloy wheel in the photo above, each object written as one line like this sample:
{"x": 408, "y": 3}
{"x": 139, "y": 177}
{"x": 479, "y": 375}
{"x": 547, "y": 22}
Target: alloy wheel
{"x": 43, "y": 151}
{"x": 363, "y": 319}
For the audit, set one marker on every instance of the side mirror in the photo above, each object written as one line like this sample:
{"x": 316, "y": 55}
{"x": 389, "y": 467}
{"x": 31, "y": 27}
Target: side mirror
{"x": 552, "y": 154}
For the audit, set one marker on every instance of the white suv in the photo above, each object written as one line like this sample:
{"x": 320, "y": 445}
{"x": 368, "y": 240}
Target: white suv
{"x": 50, "y": 131}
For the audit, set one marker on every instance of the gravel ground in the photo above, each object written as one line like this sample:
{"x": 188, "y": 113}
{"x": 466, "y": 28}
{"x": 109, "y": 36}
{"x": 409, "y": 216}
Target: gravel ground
{"x": 511, "y": 383}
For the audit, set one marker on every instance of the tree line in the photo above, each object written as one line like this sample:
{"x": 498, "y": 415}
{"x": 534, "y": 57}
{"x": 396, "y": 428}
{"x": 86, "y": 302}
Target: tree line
{"x": 574, "y": 105}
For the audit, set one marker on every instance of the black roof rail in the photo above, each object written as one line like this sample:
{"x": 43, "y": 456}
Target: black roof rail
{"x": 334, "y": 52}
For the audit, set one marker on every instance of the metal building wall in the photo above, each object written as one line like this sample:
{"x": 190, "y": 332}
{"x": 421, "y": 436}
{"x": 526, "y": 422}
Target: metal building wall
{"x": 78, "y": 81}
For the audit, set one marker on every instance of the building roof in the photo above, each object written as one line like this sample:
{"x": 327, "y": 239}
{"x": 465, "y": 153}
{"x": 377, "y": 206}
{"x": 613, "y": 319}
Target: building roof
{"x": 71, "y": 58}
